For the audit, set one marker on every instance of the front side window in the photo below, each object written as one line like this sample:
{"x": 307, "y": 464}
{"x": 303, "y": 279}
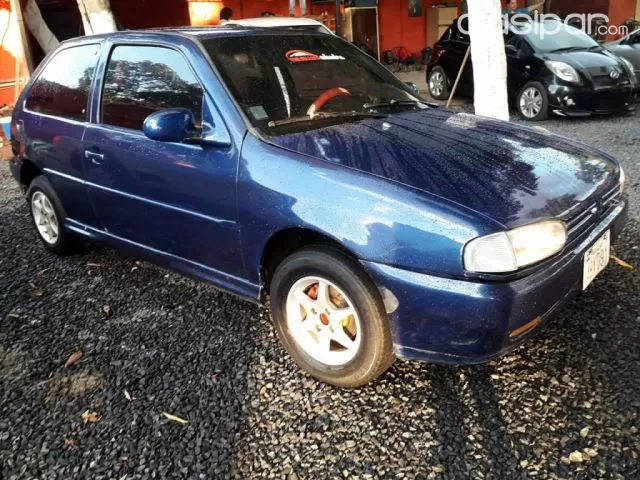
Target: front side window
{"x": 62, "y": 89}
{"x": 287, "y": 82}
{"x": 143, "y": 80}
{"x": 634, "y": 39}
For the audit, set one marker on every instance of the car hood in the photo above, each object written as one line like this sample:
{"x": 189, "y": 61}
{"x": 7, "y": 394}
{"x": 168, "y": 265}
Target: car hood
{"x": 585, "y": 60}
{"x": 510, "y": 173}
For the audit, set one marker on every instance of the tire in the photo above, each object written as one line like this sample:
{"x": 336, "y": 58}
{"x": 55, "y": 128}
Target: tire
{"x": 532, "y": 102}
{"x": 370, "y": 350}
{"x": 438, "y": 84}
{"x": 45, "y": 208}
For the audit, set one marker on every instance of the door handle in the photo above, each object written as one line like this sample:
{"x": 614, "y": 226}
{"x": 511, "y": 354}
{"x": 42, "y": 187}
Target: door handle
{"x": 96, "y": 158}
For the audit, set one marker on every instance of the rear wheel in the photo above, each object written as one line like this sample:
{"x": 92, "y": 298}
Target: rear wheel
{"x": 330, "y": 317}
{"x": 438, "y": 84}
{"x": 533, "y": 102}
{"x": 48, "y": 217}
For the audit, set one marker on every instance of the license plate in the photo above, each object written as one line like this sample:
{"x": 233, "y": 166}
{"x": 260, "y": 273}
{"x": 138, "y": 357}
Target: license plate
{"x": 596, "y": 259}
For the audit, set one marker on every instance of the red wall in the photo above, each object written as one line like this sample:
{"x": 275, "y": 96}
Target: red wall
{"x": 253, "y": 8}
{"x": 619, "y": 12}
{"x": 397, "y": 29}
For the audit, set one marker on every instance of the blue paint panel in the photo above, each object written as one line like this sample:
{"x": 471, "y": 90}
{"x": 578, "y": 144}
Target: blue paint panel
{"x": 466, "y": 321}
{"x": 513, "y": 174}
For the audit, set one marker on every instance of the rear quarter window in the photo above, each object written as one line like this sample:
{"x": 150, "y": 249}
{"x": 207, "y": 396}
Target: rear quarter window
{"x": 62, "y": 89}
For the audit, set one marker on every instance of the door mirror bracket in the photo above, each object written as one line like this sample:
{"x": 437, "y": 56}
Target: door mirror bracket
{"x": 512, "y": 50}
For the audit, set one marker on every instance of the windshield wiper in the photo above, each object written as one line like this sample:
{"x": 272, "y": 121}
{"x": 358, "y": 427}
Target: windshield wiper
{"x": 398, "y": 103}
{"x": 323, "y": 116}
{"x": 566, "y": 49}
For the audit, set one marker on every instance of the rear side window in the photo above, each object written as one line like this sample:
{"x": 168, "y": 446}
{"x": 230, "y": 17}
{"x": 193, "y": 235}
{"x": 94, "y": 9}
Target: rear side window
{"x": 143, "y": 80}
{"x": 62, "y": 89}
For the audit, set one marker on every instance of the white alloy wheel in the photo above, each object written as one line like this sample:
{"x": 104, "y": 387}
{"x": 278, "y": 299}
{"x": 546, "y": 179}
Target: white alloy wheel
{"x": 531, "y": 102}
{"x": 323, "y": 321}
{"x": 45, "y": 218}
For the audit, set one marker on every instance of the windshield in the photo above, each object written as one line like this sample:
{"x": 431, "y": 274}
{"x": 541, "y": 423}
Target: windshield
{"x": 289, "y": 82}
{"x": 552, "y": 35}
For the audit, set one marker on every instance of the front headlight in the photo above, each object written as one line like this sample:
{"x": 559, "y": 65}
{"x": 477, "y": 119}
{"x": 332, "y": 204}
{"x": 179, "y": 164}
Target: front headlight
{"x": 630, "y": 69}
{"x": 623, "y": 179}
{"x": 509, "y": 251}
{"x": 563, "y": 71}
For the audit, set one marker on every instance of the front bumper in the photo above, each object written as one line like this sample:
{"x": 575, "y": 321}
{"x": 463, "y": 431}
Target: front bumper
{"x": 583, "y": 101}
{"x": 455, "y": 321}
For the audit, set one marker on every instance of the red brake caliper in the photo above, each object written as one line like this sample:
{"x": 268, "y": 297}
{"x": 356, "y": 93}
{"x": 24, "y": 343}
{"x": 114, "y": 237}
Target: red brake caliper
{"x": 313, "y": 295}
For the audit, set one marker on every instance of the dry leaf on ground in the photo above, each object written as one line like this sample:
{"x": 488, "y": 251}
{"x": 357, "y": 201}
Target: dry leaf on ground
{"x": 90, "y": 417}
{"x": 173, "y": 418}
{"x": 621, "y": 262}
{"x": 73, "y": 359}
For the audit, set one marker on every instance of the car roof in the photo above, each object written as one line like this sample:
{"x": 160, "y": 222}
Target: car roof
{"x": 193, "y": 33}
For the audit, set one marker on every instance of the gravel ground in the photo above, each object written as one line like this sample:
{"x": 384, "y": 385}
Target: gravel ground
{"x": 156, "y": 343}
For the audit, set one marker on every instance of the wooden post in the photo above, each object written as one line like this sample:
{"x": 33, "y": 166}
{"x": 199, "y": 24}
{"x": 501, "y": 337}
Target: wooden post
{"x": 338, "y": 19}
{"x": 455, "y": 85}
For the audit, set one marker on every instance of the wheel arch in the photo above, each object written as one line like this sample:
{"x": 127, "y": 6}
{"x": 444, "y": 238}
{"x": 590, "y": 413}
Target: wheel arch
{"x": 286, "y": 241}
{"x": 28, "y": 171}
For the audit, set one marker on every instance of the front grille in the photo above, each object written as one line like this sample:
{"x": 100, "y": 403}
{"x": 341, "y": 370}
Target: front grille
{"x": 605, "y": 81}
{"x": 582, "y": 223}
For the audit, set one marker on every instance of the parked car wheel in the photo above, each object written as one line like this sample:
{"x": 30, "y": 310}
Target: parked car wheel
{"x": 330, "y": 317}
{"x": 48, "y": 217}
{"x": 533, "y": 102}
{"x": 438, "y": 84}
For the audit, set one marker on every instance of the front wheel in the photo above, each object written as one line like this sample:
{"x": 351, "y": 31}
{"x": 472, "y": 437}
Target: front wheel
{"x": 329, "y": 316}
{"x": 533, "y": 102}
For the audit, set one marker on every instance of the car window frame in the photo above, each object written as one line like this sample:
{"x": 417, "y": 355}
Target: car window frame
{"x": 103, "y": 74}
{"x": 41, "y": 71}
{"x": 630, "y": 39}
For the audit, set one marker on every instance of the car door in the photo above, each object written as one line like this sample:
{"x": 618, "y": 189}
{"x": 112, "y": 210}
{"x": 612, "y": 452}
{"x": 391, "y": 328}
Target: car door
{"x": 456, "y": 50}
{"x": 174, "y": 198}
{"x": 53, "y": 121}
{"x": 518, "y": 54}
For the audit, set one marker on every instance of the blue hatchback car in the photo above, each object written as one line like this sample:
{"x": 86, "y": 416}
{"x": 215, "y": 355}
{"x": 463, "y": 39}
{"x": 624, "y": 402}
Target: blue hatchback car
{"x": 292, "y": 169}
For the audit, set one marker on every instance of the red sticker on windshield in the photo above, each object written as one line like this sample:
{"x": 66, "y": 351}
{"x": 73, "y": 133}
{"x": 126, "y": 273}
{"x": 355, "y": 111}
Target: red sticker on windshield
{"x": 297, "y": 56}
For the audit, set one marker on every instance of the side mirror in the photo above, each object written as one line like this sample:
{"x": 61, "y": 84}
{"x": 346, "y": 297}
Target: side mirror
{"x": 414, "y": 88}
{"x": 511, "y": 50}
{"x": 171, "y": 125}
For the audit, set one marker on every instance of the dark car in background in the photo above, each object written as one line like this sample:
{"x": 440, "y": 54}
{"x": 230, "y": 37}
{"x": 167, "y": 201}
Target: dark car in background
{"x": 565, "y": 72}
{"x": 628, "y": 47}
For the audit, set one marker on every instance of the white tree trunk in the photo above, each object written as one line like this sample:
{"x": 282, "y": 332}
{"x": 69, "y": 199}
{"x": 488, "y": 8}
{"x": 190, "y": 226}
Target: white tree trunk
{"x": 489, "y": 59}
{"x": 38, "y": 28}
{"x": 97, "y": 16}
